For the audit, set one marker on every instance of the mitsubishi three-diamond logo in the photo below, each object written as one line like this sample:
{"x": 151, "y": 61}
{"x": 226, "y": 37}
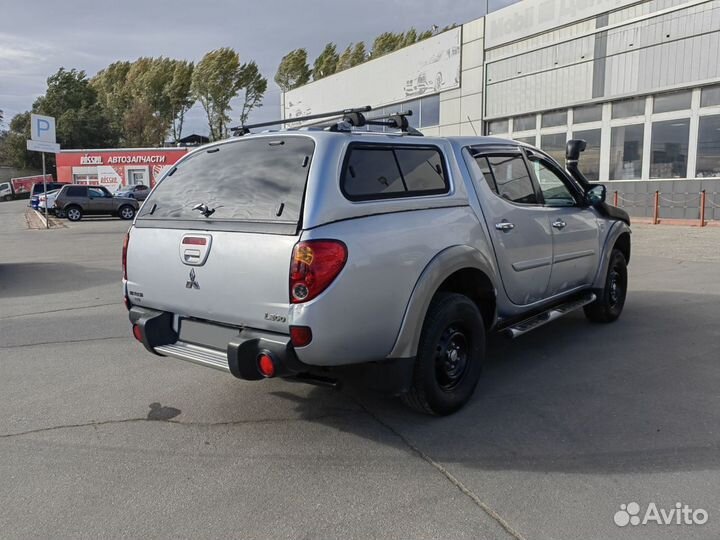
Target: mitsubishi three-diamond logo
{"x": 191, "y": 283}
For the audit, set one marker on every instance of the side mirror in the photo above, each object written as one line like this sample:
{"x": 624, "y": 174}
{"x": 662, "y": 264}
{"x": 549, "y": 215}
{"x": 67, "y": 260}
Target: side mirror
{"x": 596, "y": 195}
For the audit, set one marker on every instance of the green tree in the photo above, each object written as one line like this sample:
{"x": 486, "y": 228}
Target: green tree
{"x": 179, "y": 95}
{"x": 13, "y": 151}
{"x": 385, "y": 43}
{"x": 424, "y": 35}
{"x": 345, "y": 60}
{"x": 410, "y": 37}
{"x": 81, "y": 121}
{"x": 326, "y": 63}
{"x": 253, "y": 85}
{"x": 293, "y": 70}
{"x": 142, "y": 126}
{"x": 214, "y": 84}
{"x": 113, "y": 92}
{"x": 359, "y": 54}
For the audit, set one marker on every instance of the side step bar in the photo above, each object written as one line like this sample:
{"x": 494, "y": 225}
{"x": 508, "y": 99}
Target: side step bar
{"x": 550, "y": 315}
{"x": 197, "y": 355}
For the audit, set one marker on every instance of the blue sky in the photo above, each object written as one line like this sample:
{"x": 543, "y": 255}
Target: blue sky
{"x": 39, "y": 36}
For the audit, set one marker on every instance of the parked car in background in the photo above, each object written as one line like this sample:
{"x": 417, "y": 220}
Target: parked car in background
{"x": 47, "y": 200}
{"x": 138, "y": 191}
{"x": 37, "y": 189}
{"x": 75, "y": 201}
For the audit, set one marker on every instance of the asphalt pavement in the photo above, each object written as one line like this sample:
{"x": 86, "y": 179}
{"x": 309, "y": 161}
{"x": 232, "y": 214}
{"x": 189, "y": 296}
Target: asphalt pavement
{"x": 98, "y": 438}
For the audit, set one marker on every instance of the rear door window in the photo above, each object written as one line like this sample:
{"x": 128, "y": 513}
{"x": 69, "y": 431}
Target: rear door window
{"x": 513, "y": 179}
{"x": 384, "y": 171}
{"x": 248, "y": 180}
{"x": 75, "y": 191}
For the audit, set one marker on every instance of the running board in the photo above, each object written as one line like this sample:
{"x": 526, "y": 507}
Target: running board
{"x": 523, "y": 327}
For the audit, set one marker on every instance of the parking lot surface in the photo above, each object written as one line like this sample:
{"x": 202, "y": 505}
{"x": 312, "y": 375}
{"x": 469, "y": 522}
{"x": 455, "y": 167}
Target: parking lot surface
{"x": 99, "y": 438}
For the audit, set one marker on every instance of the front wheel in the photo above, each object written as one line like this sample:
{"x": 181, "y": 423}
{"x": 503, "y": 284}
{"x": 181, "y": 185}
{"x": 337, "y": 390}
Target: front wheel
{"x": 74, "y": 213}
{"x": 611, "y": 298}
{"x": 126, "y": 212}
{"x": 449, "y": 356}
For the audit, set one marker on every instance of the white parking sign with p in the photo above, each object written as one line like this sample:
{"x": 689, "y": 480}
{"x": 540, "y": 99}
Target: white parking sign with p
{"x": 42, "y": 128}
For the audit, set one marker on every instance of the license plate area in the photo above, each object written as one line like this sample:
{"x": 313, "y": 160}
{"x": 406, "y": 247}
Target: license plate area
{"x": 213, "y": 336}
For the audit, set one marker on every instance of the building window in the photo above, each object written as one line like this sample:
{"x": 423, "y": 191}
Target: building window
{"x": 525, "y": 123}
{"x": 626, "y": 147}
{"x": 628, "y": 108}
{"x": 590, "y": 158}
{"x": 554, "y": 145}
{"x": 526, "y": 140}
{"x": 498, "y": 126}
{"x": 430, "y": 111}
{"x": 676, "y": 101}
{"x": 591, "y": 113}
{"x": 708, "y": 151}
{"x": 554, "y": 119}
{"x": 710, "y": 96}
{"x": 669, "y": 150}
{"x": 414, "y": 106}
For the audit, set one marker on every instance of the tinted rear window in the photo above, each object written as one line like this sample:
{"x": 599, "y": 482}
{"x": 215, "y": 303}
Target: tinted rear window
{"x": 380, "y": 171}
{"x": 75, "y": 191}
{"x": 245, "y": 180}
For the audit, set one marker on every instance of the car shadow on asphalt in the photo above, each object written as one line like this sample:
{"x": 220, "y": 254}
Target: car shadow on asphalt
{"x": 577, "y": 397}
{"x": 39, "y": 278}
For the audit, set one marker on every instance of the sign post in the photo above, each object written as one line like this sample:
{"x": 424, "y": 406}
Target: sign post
{"x": 42, "y": 139}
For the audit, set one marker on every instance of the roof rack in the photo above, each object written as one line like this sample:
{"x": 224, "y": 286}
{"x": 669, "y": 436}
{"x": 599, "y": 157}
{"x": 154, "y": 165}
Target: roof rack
{"x": 350, "y": 118}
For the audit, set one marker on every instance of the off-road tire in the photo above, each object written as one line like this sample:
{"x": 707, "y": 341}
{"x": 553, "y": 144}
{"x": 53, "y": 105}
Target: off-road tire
{"x": 611, "y": 298}
{"x": 444, "y": 381}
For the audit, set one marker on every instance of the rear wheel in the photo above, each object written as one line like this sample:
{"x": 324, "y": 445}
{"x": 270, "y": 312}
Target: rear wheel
{"x": 126, "y": 212}
{"x": 74, "y": 213}
{"x": 611, "y": 299}
{"x": 449, "y": 357}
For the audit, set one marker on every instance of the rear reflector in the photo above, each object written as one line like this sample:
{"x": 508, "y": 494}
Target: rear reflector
{"x": 194, "y": 241}
{"x": 137, "y": 333}
{"x": 300, "y": 336}
{"x": 126, "y": 242}
{"x": 266, "y": 366}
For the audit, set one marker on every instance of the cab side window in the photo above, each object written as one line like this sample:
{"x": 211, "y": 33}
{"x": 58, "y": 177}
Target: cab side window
{"x": 512, "y": 179}
{"x": 554, "y": 190}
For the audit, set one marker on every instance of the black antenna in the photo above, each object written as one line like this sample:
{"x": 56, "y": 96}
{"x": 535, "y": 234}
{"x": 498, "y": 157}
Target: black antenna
{"x": 354, "y": 117}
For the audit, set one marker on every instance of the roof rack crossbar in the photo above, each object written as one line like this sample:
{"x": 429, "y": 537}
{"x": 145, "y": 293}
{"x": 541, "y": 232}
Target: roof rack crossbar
{"x": 351, "y": 115}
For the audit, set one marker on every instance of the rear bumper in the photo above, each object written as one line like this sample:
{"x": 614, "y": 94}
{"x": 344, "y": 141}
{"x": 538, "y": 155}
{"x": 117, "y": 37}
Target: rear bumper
{"x": 241, "y": 355}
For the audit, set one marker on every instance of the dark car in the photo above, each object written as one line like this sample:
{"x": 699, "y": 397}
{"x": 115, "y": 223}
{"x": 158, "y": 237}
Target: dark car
{"x": 37, "y": 190}
{"x": 138, "y": 191}
{"x": 75, "y": 201}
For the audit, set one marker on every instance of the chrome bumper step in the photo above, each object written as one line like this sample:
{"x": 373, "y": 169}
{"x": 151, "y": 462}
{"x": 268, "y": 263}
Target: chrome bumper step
{"x": 196, "y": 354}
{"x": 550, "y": 315}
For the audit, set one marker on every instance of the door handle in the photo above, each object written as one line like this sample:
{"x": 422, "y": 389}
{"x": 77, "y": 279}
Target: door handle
{"x": 559, "y": 224}
{"x": 504, "y": 226}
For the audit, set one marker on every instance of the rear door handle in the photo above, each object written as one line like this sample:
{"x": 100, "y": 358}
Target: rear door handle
{"x": 559, "y": 224}
{"x": 504, "y": 226}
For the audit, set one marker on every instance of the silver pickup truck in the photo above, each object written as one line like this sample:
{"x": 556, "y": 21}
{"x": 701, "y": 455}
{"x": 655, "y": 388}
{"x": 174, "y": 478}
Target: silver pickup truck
{"x": 327, "y": 254}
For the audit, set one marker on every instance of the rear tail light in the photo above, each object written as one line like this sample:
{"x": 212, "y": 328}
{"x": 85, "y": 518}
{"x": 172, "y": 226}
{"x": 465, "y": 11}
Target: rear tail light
{"x": 266, "y": 365}
{"x": 300, "y": 336}
{"x": 126, "y": 241}
{"x": 137, "y": 332}
{"x": 315, "y": 264}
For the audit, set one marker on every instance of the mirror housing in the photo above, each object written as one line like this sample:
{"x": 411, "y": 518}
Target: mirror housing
{"x": 595, "y": 194}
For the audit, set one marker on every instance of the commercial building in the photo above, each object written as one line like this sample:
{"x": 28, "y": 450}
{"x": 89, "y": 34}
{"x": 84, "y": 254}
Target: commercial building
{"x": 116, "y": 167}
{"x": 638, "y": 80}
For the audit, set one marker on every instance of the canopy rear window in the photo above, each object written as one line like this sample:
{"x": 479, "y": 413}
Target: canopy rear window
{"x": 248, "y": 180}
